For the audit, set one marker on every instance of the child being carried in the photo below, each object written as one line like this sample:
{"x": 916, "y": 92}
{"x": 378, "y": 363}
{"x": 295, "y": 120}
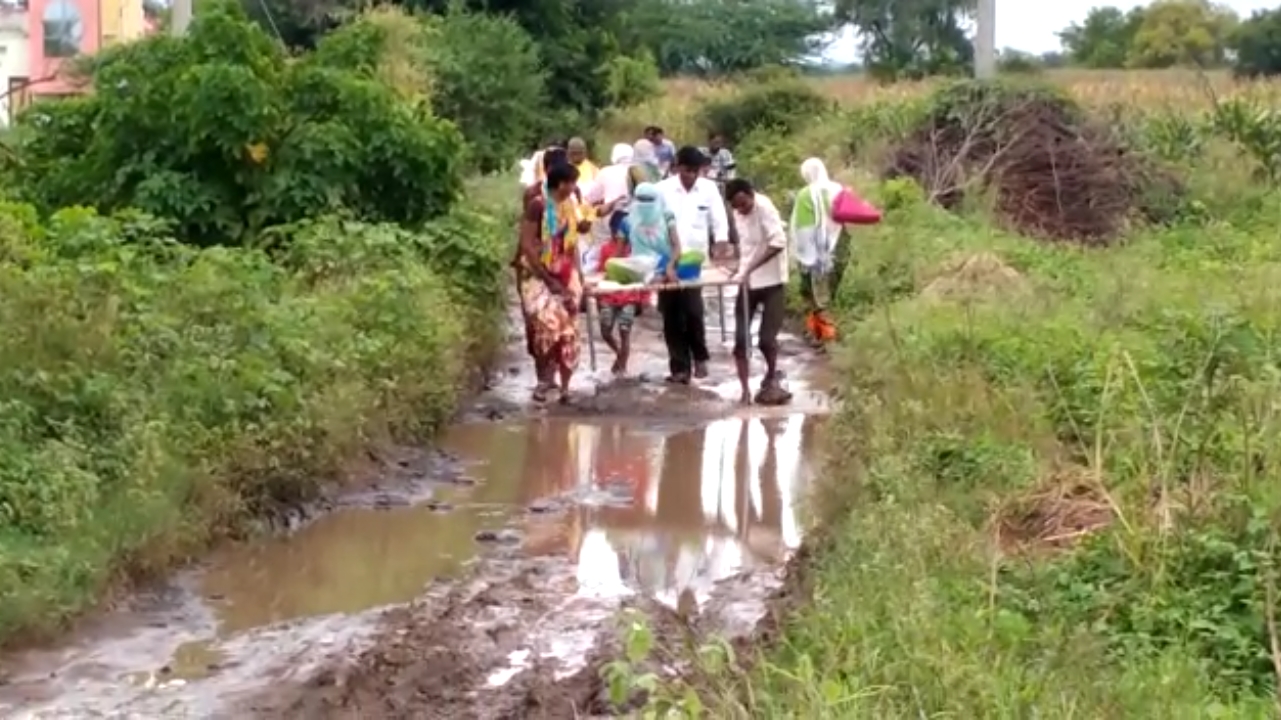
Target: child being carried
{"x": 618, "y": 310}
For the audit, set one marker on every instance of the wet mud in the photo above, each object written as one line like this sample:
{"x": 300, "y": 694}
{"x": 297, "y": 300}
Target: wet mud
{"x": 483, "y": 579}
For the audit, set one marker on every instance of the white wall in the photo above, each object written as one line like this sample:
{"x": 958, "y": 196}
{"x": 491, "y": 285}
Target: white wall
{"x": 15, "y": 57}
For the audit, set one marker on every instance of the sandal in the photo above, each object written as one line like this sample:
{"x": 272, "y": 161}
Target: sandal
{"x": 540, "y": 392}
{"x": 681, "y": 379}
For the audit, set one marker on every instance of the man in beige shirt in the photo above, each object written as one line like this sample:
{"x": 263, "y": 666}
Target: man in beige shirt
{"x": 762, "y": 277}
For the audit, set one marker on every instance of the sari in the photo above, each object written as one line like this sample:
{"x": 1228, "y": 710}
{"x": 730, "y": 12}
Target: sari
{"x": 551, "y": 319}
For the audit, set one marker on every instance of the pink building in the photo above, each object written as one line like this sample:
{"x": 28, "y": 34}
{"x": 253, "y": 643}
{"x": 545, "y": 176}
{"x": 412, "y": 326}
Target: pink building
{"x": 60, "y": 30}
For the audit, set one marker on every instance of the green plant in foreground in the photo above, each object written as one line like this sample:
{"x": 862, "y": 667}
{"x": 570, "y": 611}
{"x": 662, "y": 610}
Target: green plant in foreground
{"x": 157, "y": 396}
{"x": 1050, "y": 486}
{"x": 628, "y": 678}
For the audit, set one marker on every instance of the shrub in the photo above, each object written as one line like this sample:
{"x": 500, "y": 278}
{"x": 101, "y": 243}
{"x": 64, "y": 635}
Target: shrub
{"x": 1256, "y": 44}
{"x": 632, "y": 79}
{"x": 781, "y": 106}
{"x": 221, "y": 133}
{"x": 491, "y": 82}
{"x": 156, "y": 394}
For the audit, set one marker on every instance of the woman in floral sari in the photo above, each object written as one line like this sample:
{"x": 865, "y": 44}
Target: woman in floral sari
{"x": 550, "y": 280}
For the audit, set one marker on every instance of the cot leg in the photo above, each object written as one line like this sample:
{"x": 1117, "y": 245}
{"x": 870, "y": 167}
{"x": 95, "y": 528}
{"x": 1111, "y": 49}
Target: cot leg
{"x": 591, "y": 329}
{"x": 720, "y": 299}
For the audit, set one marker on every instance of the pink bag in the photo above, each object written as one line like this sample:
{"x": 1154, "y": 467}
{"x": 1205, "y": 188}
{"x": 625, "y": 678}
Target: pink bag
{"x": 850, "y": 209}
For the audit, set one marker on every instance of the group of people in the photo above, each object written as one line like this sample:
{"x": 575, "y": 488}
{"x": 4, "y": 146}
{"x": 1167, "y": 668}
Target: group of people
{"x": 657, "y": 202}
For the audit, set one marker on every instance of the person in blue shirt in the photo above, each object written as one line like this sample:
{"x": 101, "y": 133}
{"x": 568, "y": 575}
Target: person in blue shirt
{"x": 664, "y": 148}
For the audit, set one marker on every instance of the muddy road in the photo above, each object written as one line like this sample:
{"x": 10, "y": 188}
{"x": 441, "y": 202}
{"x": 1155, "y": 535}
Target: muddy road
{"x": 481, "y": 579}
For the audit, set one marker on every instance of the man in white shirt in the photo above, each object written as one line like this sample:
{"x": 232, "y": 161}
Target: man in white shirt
{"x": 762, "y": 274}
{"x": 700, "y": 222}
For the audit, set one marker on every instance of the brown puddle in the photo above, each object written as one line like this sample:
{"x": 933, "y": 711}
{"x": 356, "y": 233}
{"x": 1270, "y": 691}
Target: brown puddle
{"x": 346, "y": 562}
{"x": 644, "y": 510}
{"x": 696, "y": 506}
{"x": 633, "y": 508}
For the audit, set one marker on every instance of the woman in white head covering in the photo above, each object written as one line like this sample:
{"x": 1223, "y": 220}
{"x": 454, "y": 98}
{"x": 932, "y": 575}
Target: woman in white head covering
{"x": 816, "y": 237}
{"x": 611, "y": 183}
{"x": 621, "y": 154}
{"x": 645, "y": 160}
{"x": 608, "y": 193}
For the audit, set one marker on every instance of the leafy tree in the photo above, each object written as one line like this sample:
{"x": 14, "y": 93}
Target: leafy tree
{"x": 1104, "y": 39}
{"x": 222, "y": 133}
{"x": 300, "y": 24}
{"x": 911, "y": 38}
{"x": 576, "y": 38}
{"x": 719, "y": 37}
{"x": 489, "y": 80}
{"x": 1256, "y": 43}
{"x": 1182, "y": 32}
{"x": 633, "y": 79}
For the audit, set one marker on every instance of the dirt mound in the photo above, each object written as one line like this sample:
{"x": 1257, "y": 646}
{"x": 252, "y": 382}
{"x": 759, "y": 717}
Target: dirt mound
{"x": 975, "y": 276}
{"x": 1049, "y": 170}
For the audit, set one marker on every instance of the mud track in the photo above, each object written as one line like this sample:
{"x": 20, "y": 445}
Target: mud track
{"x": 473, "y": 582}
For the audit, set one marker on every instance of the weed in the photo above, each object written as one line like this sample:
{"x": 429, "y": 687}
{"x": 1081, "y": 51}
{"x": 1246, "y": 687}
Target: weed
{"x": 1057, "y": 499}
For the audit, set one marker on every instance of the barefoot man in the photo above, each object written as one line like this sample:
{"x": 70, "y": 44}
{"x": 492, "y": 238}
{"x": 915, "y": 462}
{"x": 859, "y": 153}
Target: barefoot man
{"x": 762, "y": 279}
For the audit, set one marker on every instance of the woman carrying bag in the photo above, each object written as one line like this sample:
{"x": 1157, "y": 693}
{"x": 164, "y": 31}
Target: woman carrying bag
{"x": 819, "y": 252}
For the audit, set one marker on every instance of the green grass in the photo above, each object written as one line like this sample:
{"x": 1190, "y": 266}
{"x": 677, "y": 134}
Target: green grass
{"x": 155, "y": 396}
{"x": 1051, "y": 489}
{"x": 984, "y": 432}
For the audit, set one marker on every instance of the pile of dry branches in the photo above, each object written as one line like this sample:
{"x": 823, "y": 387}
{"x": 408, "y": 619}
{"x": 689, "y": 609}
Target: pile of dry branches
{"x": 1048, "y": 170}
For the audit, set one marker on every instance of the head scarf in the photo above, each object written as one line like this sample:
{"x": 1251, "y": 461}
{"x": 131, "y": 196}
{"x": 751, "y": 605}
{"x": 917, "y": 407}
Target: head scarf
{"x": 560, "y": 227}
{"x": 645, "y": 164}
{"x": 814, "y": 172}
{"x": 644, "y": 152}
{"x": 621, "y": 154}
{"x": 815, "y": 243}
{"x": 560, "y": 232}
{"x": 647, "y": 219}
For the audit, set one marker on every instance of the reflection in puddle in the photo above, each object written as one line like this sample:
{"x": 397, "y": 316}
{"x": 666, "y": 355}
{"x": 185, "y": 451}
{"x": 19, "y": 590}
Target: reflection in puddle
{"x": 705, "y": 504}
{"x": 680, "y": 512}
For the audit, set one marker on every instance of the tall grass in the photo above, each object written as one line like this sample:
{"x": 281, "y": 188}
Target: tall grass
{"x": 1051, "y": 490}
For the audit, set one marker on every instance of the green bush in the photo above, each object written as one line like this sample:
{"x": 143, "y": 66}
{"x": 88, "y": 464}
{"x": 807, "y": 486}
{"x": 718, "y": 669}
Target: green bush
{"x": 1118, "y": 399}
{"x": 781, "y": 106}
{"x": 633, "y": 79}
{"x": 490, "y": 81}
{"x": 220, "y": 132}
{"x": 157, "y": 395}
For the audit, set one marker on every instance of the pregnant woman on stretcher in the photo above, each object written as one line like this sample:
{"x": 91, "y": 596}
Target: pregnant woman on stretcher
{"x": 644, "y": 247}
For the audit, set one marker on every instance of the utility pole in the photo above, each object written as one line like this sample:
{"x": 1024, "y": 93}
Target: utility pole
{"x": 180, "y": 17}
{"x": 985, "y": 42}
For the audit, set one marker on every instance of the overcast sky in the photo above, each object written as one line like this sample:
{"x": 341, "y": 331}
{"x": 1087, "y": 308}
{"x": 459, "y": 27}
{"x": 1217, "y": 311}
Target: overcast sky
{"x": 1031, "y": 25}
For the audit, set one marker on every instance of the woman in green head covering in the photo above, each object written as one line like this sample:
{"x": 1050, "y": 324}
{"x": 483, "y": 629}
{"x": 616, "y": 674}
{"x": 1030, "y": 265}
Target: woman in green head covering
{"x": 652, "y": 226}
{"x": 651, "y": 239}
